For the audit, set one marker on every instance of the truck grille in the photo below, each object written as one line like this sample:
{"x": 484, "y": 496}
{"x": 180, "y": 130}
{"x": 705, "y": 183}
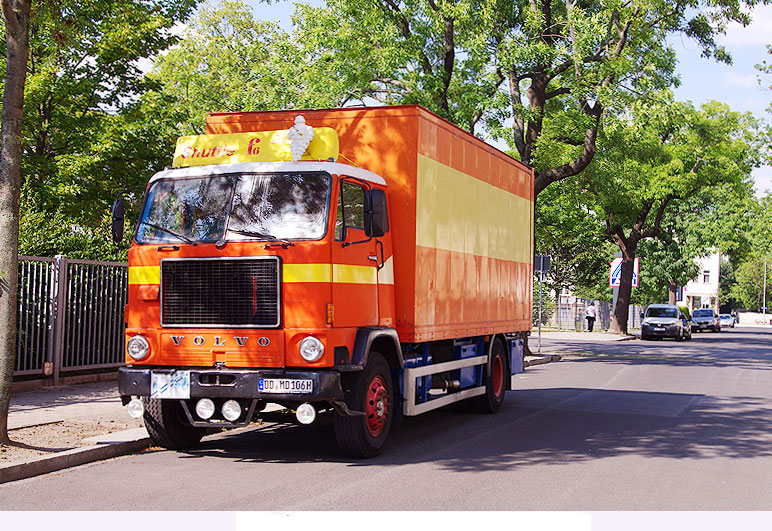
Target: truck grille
{"x": 221, "y": 292}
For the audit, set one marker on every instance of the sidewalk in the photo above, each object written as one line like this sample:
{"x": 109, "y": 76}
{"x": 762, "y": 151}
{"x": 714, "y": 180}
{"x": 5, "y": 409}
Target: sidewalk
{"x": 60, "y": 427}
{"x": 597, "y": 335}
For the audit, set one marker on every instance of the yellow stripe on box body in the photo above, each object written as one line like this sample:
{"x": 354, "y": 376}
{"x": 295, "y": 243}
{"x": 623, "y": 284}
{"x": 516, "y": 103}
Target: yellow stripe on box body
{"x": 293, "y": 273}
{"x": 459, "y": 213}
{"x": 144, "y": 275}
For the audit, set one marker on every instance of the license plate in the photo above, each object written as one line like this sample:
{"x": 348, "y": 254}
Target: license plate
{"x": 659, "y": 329}
{"x": 174, "y": 385}
{"x": 284, "y": 385}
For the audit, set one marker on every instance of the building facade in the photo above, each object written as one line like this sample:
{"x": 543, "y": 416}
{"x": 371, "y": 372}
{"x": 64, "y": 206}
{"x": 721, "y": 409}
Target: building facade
{"x": 702, "y": 292}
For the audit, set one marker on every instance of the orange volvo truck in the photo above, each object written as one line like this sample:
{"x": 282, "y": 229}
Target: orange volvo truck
{"x": 366, "y": 262}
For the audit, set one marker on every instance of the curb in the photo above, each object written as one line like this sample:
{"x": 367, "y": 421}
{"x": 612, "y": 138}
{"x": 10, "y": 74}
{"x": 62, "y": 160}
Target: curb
{"x": 549, "y": 358}
{"x": 70, "y": 458}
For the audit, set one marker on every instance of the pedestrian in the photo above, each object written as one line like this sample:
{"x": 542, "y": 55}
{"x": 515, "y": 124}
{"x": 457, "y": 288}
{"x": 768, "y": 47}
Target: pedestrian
{"x": 591, "y": 313}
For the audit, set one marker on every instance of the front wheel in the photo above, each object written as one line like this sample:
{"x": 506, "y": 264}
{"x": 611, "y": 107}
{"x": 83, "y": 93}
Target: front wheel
{"x": 495, "y": 385}
{"x": 371, "y": 392}
{"x": 168, "y": 426}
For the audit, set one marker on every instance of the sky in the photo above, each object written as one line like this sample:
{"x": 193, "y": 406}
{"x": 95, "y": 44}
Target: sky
{"x": 737, "y": 84}
{"x": 702, "y": 80}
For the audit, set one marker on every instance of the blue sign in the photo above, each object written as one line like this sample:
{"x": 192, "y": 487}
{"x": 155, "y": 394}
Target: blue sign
{"x": 615, "y": 273}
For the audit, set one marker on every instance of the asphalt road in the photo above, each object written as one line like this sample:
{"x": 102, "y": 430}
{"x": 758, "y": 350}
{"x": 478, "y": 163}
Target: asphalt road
{"x": 627, "y": 425}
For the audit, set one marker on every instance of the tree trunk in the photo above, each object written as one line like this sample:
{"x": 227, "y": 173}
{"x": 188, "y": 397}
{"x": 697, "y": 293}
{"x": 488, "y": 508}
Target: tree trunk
{"x": 672, "y": 289}
{"x": 619, "y": 322}
{"x": 16, "y": 14}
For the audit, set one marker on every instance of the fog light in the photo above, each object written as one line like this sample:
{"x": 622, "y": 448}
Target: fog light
{"x": 205, "y": 408}
{"x": 231, "y": 410}
{"x": 135, "y": 408}
{"x": 137, "y": 347}
{"x": 305, "y": 413}
{"x": 311, "y": 348}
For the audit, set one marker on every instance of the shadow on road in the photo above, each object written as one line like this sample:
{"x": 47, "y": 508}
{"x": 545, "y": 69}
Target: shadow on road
{"x": 535, "y": 427}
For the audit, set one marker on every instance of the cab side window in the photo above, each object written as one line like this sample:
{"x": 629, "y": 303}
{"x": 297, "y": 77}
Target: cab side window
{"x": 351, "y": 209}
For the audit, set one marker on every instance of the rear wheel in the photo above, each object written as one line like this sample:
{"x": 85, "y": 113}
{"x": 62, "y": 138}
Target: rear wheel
{"x": 491, "y": 401}
{"x": 168, "y": 426}
{"x": 371, "y": 392}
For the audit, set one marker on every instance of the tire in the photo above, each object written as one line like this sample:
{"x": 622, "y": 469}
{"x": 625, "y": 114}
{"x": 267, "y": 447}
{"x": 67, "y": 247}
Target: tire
{"x": 168, "y": 426}
{"x": 371, "y": 391}
{"x": 495, "y": 384}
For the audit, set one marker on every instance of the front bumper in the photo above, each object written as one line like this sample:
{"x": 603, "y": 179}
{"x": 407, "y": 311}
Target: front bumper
{"x": 705, "y": 325}
{"x": 216, "y": 383}
{"x": 661, "y": 331}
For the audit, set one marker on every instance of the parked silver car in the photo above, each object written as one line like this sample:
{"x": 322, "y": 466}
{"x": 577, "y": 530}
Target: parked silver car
{"x": 727, "y": 320}
{"x": 705, "y": 319}
{"x": 665, "y": 320}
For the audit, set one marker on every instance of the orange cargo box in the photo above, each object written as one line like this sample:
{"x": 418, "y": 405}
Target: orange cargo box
{"x": 461, "y": 215}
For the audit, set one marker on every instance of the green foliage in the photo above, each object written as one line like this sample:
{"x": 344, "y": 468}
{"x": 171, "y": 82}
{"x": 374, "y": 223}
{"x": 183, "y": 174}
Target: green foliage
{"x": 548, "y": 304}
{"x": 644, "y": 181}
{"x": 84, "y": 139}
{"x": 572, "y": 236}
{"x": 748, "y": 288}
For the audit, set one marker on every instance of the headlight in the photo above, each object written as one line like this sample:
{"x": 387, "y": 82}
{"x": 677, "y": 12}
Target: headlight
{"x": 231, "y": 410}
{"x": 138, "y": 347}
{"x": 311, "y": 349}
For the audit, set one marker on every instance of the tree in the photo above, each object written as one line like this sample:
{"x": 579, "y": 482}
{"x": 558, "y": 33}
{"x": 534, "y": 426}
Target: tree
{"x": 550, "y": 69}
{"x": 16, "y": 15}
{"x": 666, "y": 264}
{"x": 80, "y": 143}
{"x": 571, "y": 235}
{"x": 73, "y": 68}
{"x": 748, "y": 288}
{"x": 661, "y": 154}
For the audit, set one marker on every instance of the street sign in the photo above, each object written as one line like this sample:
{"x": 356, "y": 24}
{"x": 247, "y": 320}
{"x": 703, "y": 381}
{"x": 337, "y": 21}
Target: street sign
{"x": 541, "y": 263}
{"x": 615, "y": 273}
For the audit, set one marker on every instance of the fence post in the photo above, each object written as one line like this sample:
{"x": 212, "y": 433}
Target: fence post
{"x": 59, "y": 313}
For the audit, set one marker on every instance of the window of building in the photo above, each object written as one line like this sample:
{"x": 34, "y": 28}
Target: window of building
{"x": 706, "y": 277}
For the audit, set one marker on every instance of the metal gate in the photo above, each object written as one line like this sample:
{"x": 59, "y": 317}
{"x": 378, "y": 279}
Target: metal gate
{"x": 71, "y": 315}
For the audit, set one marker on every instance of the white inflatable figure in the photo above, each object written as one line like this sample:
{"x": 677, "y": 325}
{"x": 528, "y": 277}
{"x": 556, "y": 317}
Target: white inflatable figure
{"x": 299, "y": 135}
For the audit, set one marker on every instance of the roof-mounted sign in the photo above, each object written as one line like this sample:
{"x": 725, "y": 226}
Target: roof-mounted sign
{"x": 264, "y": 146}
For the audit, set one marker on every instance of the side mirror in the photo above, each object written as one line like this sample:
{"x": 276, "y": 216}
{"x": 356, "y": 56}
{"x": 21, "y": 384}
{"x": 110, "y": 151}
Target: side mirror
{"x": 118, "y": 223}
{"x": 641, "y": 315}
{"x": 377, "y": 216}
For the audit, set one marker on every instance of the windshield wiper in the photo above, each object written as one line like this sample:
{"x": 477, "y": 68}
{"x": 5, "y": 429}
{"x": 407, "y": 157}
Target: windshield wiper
{"x": 263, "y": 235}
{"x": 167, "y": 231}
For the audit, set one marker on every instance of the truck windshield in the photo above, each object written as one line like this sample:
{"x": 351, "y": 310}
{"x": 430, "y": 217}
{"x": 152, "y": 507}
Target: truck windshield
{"x": 253, "y": 206}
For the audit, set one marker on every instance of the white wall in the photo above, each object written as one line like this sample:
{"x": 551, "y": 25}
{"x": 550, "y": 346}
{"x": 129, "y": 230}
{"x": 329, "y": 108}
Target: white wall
{"x": 699, "y": 288}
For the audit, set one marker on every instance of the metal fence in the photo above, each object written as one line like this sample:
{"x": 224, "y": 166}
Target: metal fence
{"x": 71, "y": 315}
{"x": 571, "y": 315}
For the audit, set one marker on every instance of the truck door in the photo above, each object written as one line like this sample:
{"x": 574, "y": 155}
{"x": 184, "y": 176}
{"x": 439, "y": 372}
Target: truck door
{"x": 354, "y": 261}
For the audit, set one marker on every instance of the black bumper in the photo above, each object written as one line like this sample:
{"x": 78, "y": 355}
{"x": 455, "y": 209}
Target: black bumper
{"x": 240, "y": 383}
{"x": 669, "y": 331}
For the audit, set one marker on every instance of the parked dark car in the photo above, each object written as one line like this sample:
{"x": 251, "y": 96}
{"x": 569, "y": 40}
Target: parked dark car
{"x": 665, "y": 320}
{"x": 705, "y": 319}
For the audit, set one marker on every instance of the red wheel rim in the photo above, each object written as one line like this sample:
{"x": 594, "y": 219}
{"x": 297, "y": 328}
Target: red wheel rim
{"x": 498, "y": 376}
{"x": 377, "y": 406}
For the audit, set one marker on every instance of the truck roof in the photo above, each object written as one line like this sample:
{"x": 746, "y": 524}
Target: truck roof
{"x": 336, "y": 168}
